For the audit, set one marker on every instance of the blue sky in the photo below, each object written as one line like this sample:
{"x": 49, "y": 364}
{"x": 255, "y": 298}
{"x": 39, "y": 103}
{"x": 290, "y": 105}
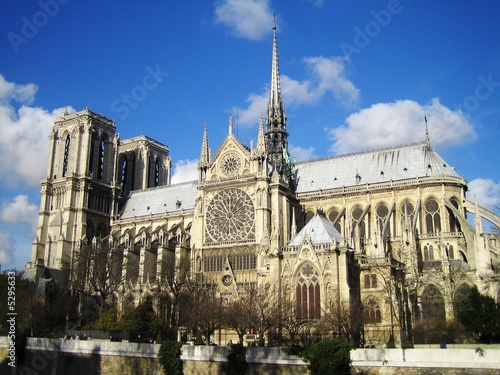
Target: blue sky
{"x": 355, "y": 75}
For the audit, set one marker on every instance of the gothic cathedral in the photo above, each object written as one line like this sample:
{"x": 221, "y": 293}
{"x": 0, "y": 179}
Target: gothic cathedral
{"x": 382, "y": 232}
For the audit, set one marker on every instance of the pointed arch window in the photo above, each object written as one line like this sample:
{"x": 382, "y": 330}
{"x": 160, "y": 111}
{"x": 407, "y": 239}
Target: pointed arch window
{"x": 433, "y": 304}
{"x": 459, "y": 298}
{"x": 408, "y": 213}
{"x": 367, "y": 281}
{"x": 356, "y": 221}
{"x": 157, "y": 173}
{"x": 371, "y": 311}
{"x": 66, "y": 156}
{"x": 124, "y": 172}
{"x": 453, "y": 220}
{"x": 100, "y": 165}
{"x": 308, "y": 293}
{"x": 432, "y": 216}
{"x": 381, "y": 215}
{"x": 332, "y": 216}
{"x": 371, "y": 281}
{"x": 428, "y": 252}
{"x": 450, "y": 251}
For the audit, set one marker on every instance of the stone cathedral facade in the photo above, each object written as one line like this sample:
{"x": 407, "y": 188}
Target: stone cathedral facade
{"x": 383, "y": 229}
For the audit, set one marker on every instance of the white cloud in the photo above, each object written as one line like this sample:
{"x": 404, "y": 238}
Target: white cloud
{"x": 24, "y": 135}
{"x": 324, "y": 76}
{"x": 20, "y": 93}
{"x": 486, "y": 191}
{"x": 7, "y": 248}
{"x": 24, "y": 144}
{"x": 250, "y": 115}
{"x": 250, "y": 19}
{"x": 385, "y": 124}
{"x": 298, "y": 153}
{"x": 329, "y": 75}
{"x": 19, "y": 210}
{"x": 185, "y": 170}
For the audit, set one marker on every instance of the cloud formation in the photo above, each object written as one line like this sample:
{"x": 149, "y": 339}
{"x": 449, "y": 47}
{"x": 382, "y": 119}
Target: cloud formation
{"x": 402, "y": 121}
{"x": 487, "y": 193}
{"x": 7, "y": 248}
{"x": 324, "y": 76}
{"x": 298, "y": 153}
{"x": 24, "y": 134}
{"x": 250, "y": 19}
{"x": 24, "y": 146}
{"x": 19, "y": 211}
{"x": 185, "y": 170}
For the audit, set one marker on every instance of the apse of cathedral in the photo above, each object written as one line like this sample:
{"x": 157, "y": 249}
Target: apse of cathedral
{"x": 385, "y": 231}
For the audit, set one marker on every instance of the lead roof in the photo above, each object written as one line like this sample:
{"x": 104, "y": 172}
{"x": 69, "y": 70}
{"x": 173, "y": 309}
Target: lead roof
{"x": 410, "y": 161}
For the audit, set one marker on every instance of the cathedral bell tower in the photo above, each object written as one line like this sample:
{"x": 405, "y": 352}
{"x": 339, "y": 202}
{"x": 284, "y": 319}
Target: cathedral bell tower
{"x": 79, "y": 193}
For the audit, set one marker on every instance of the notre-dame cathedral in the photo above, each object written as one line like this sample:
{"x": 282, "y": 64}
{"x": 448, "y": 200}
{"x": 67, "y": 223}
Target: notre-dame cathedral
{"x": 387, "y": 228}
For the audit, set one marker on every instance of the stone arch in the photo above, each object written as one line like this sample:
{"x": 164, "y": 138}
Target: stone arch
{"x": 307, "y": 291}
{"x": 371, "y": 311}
{"x": 333, "y": 214}
{"x": 433, "y": 306}
{"x": 308, "y": 216}
{"x": 432, "y": 212}
{"x": 459, "y": 297}
{"x": 356, "y": 213}
{"x": 407, "y": 210}
{"x": 453, "y": 221}
{"x": 90, "y": 230}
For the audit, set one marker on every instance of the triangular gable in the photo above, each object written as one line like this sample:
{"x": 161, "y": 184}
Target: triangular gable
{"x": 318, "y": 230}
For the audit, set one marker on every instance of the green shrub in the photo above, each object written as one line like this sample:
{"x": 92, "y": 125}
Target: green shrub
{"x": 170, "y": 357}
{"x": 236, "y": 360}
{"x": 329, "y": 357}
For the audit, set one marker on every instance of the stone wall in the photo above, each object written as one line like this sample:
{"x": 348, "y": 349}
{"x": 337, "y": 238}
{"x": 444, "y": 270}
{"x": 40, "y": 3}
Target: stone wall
{"x": 456, "y": 361}
{"x": 53, "y": 357}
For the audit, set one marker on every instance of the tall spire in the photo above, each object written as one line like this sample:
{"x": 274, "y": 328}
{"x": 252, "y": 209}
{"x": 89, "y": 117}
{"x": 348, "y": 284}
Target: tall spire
{"x": 205, "y": 150}
{"x": 275, "y": 107}
{"x": 276, "y": 134}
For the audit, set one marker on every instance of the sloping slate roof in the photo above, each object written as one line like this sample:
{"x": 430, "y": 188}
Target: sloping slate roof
{"x": 159, "y": 200}
{"x": 394, "y": 163}
{"x": 320, "y": 231}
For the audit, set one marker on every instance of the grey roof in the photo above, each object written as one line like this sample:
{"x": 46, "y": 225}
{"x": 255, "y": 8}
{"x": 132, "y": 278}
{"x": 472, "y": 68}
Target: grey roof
{"x": 394, "y": 163}
{"x": 159, "y": 200}
{"x": 320, "y": 231}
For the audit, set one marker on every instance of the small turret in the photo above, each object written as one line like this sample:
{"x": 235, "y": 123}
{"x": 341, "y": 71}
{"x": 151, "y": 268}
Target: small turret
{"x": 204, "y": 156}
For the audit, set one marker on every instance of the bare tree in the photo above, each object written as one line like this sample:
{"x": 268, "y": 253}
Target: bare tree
{"x": 105, "y": 272}
{"x": 343, "y": 317}
{"x": 492, "y": 278}
{"x": 202, "y": 309}
{"x": 262, "y": 307}
{"x": 236, "y": 318}
{"x": 291, "y": 321}
{"x": 392, "y": 275}
{"x": 173, "y": 282}
{"x": 96, "y": 275}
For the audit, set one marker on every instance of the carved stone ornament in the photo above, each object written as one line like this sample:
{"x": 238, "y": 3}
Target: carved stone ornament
{"x": 230, "y": 164}
{"x": 230, "y": 217}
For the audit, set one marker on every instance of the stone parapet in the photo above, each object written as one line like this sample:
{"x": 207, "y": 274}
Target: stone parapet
{"x": 483, "y": 358}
